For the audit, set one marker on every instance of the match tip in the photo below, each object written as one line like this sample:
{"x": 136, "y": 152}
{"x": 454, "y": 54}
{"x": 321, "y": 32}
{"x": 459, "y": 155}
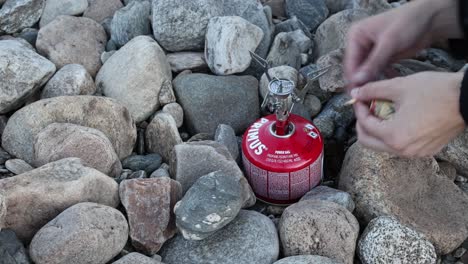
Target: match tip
{"x": 351, "y": 102}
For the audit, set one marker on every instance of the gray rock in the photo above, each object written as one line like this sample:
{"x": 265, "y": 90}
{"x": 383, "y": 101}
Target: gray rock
{"x": 124, "y": 175}
{"x": 325, "y": 193}
{"x": 55, "y": 8}
{"x": 277, "y": 7}
{"x": 64, "y": 140}
{"x": 34, "y": 198}
{"x": 313, "y": 87}
{"x": 62, "y": 42}
{"x": 200, "y": 137}
{"x": 147, "y": 163}
{"x": 250, "y": 238}
{"x": 441, "y": 59}
{"x": 307, "y": 259}
{"x": 311, "y": 12}
{"x": 373, "y": 7}
{"x": 106, "y": 24}
{"x": 181, "y": 61}
{"x": 106, "y": 55}
{"x": 28, "y": 34}
{"x": 139, "y": 88}
{"x": 23, "y": 72}
{"x": 16, "y": 15}
{"x": 179, "y": 26}
{"x": 456, "y": 153}
{"x": 313, "y": 104}
{"x": 71, "y": 79}
{"x": 134, "y": 257}
{"x": 334, "y": 115}
{"x": 149, "y": 204}
{"x": 176, "y": 111}
{"x": 331, "y": 34}
{"x": 18, "y": 166}
{"x": 447, "y": 169}
{"x": 100, "y": 113}
{"x": 412, "y": 190}
{"x": 385, "y": 240}
{"x": 159, "y": 173}
{"x": 280, "y": 72}
{"x": 212, "y": 100}
{"x": 212, "y": 202}
{"x": 166, "y": 95}
{"x": 12, "y": 250}
{"x": 192, "y": 160}
{"x": 226, "y": 135}
{"x": 335, "y": 6}
{"x": 131, "y": 21}
{"x": 290, "y": 25}
{"x": 99, "y": 10}
{"x": 83, "y": 233}
{"x": 318, "y": 227}
{"x": 333, "y": 80}
{"x": 253, "y": 12}
{"x": 287, "y": 48}
{"x": 4, "y": 156}
{"x": 224, "y": 33}
{"x": 162, "y": 135}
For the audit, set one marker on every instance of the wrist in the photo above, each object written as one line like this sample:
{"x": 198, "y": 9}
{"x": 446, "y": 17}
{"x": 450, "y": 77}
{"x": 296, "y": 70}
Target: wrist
{"x": 445, "y": 21}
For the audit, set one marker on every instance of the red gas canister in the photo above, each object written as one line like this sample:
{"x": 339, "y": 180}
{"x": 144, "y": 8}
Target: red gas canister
{"x": 282, "y": 153}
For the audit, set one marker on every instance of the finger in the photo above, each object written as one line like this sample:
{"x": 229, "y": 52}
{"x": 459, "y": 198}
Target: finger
{"x": 368, "y": 141}
{"x": 378, "y": 58}
{"x": 374, "y": 126}
{"x": 386, "y": 90}
{"x": 357, "y": 48}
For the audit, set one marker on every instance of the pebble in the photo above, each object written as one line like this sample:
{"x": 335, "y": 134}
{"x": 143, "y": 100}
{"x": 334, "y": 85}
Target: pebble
{"x": 71, "y": 79}
{"x": 459, "y": 252}
{"x": 136, "y": 258}
{"x": 307, "y": 259}
{"x": 147, "y": 163}
{"x": 29, "y": 34}
{"x": 181, "y": 61}
{"x": 226, "y": 135}
{"x": 161, "y": 172}
{"x": 176, "y": 111}
{"x": 99, "y": 10}
{"x": 287, "y": 48}
{"x": 141, "y": 174}
{"x": 311, "y": 12}
{"x": 461, "y": 179}
{"x": 16, "y": 15}
{"x": 18, "y": 166}
{"x": 313, "y": 104}
{"x": 292, "y": 24}
{"x": 325, "y": 193}
{"x": 333, "y": 80}
{"x": 162, "y": 135}
{"x": 55, "y": 8}
{"x": 131, "y": 21}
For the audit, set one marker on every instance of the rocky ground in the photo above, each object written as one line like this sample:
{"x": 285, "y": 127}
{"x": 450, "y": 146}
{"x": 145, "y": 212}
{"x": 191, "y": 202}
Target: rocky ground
{"x": 121, "y": 124}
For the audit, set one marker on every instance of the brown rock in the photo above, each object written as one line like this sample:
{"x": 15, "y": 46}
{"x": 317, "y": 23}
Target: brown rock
{"x": 99, "y": 10}
{"x": 63, "y": 140}
{"x": 69, "y": 40}
{"x": 149, "y": 204}
{"x": 181, "y": 61}
{"x": 319, "y": 228}
{"x": 412, "y": 190}
{"x": 34, "y": 198}
{"x": 333, "y": 80}
{"x": 162, "y": 135}
{"x": 331, "y": 34}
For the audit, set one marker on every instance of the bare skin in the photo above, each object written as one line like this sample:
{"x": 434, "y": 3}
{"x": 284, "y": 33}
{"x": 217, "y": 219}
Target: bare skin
{"x": 427, "y": 113}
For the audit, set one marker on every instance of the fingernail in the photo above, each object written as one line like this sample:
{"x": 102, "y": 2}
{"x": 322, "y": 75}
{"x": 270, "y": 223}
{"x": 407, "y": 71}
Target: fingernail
{"x": 354, "y": 92}
{"x": 360, "y": 77}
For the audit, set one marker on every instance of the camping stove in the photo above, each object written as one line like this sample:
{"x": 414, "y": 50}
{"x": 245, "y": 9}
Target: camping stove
{"x": 282, "y": 152}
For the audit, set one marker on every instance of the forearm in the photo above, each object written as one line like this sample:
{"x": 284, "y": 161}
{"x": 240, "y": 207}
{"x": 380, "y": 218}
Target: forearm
{"x": 446, "y": 20}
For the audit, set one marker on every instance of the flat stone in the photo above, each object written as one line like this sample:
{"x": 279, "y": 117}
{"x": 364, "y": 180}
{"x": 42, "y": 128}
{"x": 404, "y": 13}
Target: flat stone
{"x": 23, "y": 72}
{"x": 176, "y": 111}
{"x": 149, "y": 204}
{"x": 190, "y": 161}
{"x": 179, "y": 26}
{"x": 73, "y": 40}
{"x": 307, "y": 259}
{"x": 71, "y": 79}
{"x": 131, "y": 21}
{"x": 227, "y": 136}
{"x": 280, "y": 72}
{"x": 386, "y": 240}
{"x": 318, "y": 227}
{"x": 64, "y": 140}
{"x": 212, "y": 202}
{"x": 18, "y": 166}
{"x": 12, "y": 250}
{"x": 134, "y": 258}
{"x": 226, "y": 32}
{"x": 148, "y": 163}
{"x": 331, "y": 34}
{"x": 287, "y": 48}
{"x": 83, "y": 233}
{"x": 162, "y": 135}
{"x": 101, "y": 113}
{"x": 412, "y": 190}
{"x": 456, "y": 153}
{"x": 212, "y": 100}
{"x": 325, "y": 193}
{"x": 333, "y": 80}
{"x": 252, "y": 238}
{"x": 99, "y": 10}
{"x": 34, "y": 198}
{"x": 16, "y": 15}
{"x": 311, "y": 12}
{"x": 55, "y": 8}
{"x": 139, "y": 88}
{"x": 181, "y": 61}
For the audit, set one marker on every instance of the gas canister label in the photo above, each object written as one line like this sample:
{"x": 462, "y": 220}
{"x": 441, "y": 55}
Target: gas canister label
{"x": 253, "y": 140}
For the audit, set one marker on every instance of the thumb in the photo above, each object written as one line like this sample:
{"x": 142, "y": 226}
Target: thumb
{"x": 385, "y": 90}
